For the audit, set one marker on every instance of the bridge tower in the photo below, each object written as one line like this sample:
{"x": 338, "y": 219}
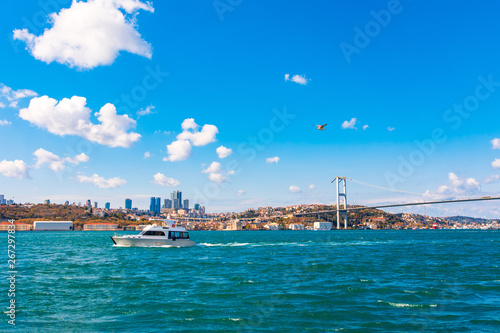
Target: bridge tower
{"x": 341, "y": 184}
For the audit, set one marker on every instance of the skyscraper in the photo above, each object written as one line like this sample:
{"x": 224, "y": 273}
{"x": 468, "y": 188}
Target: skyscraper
{"x": 196, "y": 206}
{"x": 95, "y": 204}
{"x": 177, "y": 195}
{"x": 167, "y": 203}
{"x": 185, "y": 204}
{"x": 89, "y": 203}
{"x": 158, "y": 205}
{"x": 2, "y": 199}
{"x": 175, "y": 203}
{"x": 152, "y": 205}
{"x": 107, "y": 206}
{"x": 128, "y": 203}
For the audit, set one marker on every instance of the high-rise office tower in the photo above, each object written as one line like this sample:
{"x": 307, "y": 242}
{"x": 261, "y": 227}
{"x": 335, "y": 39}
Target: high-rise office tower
{"x": 168, "y": 203}
{"x": 185, "y": 204}
{"x": 175, "y": 203}
{"x": 158, "y": 205}
{"x": 128, "y": 203}
{"x": 107, "y": 206}
{"x": 177, "y": 195}
{"x": 152, "y": 205}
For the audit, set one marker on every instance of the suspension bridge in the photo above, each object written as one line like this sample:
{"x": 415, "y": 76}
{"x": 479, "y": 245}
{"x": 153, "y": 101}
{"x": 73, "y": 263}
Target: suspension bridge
{"x": 342, "y": 209}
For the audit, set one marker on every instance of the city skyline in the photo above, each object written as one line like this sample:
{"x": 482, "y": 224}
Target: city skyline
{"x": 226, "y": 108}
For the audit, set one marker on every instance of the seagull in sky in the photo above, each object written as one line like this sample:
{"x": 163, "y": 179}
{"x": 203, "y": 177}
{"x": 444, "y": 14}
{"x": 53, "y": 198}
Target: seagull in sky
{"x": 321, "y": 127}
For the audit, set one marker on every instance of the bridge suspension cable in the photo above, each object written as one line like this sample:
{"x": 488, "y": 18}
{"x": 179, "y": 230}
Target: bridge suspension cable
{"x": 382, "y": 188}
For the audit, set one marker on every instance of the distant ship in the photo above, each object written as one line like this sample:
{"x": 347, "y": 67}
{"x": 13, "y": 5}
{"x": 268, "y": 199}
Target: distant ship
{"x": 166, "y": 233}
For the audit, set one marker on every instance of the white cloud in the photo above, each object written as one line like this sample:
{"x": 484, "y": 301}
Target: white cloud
{"x": 89, "y": 34}
{"x": 223, "y": 152}
{"x": 55, "y": 162}
{"x": 300, "y": 79}
{"x": 496, "y": 163}
{"x": 165, "y": 181}
{"x": 215, "y": 174}
{"x": 101, "y": 182}
{"x": 312, "y": 187}
{"x": 72, "y": 117}
{"x": 294, "y": 189}
{"x": 11, "y": 97}
{"x": 390, "y": 129}
{"x": 198, "y": 138}
{"x": 274, "y": 159}
{"x": 4, "y": 122}
{"x": 181, "y": 149}
{"x": 240, "y": 193}
{"x": 491, "y": 179}
{"x": 144, "y": 112}
{"x": 365, "y": 127}
{"x": 178, "y": 150}
{"x": 495, "y": 143}
{"x": 14, "y": 169}
{"x": 456, "y": 187}
{"x": 349, "y": 124}
{"x": 147, "y": 154}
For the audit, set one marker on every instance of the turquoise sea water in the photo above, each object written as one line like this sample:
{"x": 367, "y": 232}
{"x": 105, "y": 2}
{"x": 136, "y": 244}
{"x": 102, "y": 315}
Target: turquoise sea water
{"x": 285, "y": 281}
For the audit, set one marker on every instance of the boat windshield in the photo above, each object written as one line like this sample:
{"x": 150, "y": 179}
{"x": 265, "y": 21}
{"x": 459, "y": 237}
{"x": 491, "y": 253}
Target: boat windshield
{"x": 154, "y": 233}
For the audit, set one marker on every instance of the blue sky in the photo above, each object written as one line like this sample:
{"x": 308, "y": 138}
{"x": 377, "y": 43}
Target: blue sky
{"x": 183, "y": 78}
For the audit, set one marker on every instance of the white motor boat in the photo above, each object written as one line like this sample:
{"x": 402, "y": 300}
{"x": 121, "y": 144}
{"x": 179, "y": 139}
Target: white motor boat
{"x": 163, "y": 233}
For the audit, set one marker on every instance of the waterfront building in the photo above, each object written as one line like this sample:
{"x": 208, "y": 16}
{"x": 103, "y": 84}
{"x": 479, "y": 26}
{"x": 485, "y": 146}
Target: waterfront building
{"x": 4, "y": 226}
{"x": 185, "y": 204}
{"x": 322, "y": 225}
{"x": 52, "y": 225}
{"x": 128, "y": 203}
{"x": 100, "y": 226}
{"x": 296, "y": 226}
{"x": 107, "y": 205}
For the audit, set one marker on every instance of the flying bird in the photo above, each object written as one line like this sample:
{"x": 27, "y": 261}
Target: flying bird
{"x": 321, "y": 127}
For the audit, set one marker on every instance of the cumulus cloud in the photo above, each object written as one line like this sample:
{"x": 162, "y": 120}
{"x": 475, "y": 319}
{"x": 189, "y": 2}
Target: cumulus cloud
{"x": 165, "y": 181}
{"x": 14, "y": 169}
{"x": 349, "y": 124}
{"x": 147, "y": 154}
{"x": 198, "y": 138}
{"x": 55, "y": 162}
{"x": 456, "y": 187}
{"x": 178, "y": 150}
{"x": 240, "y": 193}
{"x": 4, "y": 122}
{"x": 181, "y": 149}
{"x": 495, "y": 143}
{"x": 89, "y": 34}
{"x": 294, "y": 189}
{"x": 300, "y": 79}
{"x": 11, "y": 97}
{"x": 312, "y": 187}
{"x": 144, "y": 112}
{"x": 390, "y": 129}
{"x": 274, "y": 159}
{"x": 72, "y": 117}
{"x": 101, "y": 182}
{"x": 216, "y": 174}
{"x": 365, "y": 127}
{"x": 496, "y": 163}
{"x": 223, "y": 152}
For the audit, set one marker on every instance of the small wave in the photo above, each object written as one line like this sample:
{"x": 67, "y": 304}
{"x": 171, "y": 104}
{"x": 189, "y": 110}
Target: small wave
{"x": 235, "y": 319}
{"x": 220, "y": 244}
{"x": 407, "y": 305}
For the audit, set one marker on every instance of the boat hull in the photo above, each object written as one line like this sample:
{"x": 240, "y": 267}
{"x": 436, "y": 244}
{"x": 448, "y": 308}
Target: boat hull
{"x": 151, "y": 242}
